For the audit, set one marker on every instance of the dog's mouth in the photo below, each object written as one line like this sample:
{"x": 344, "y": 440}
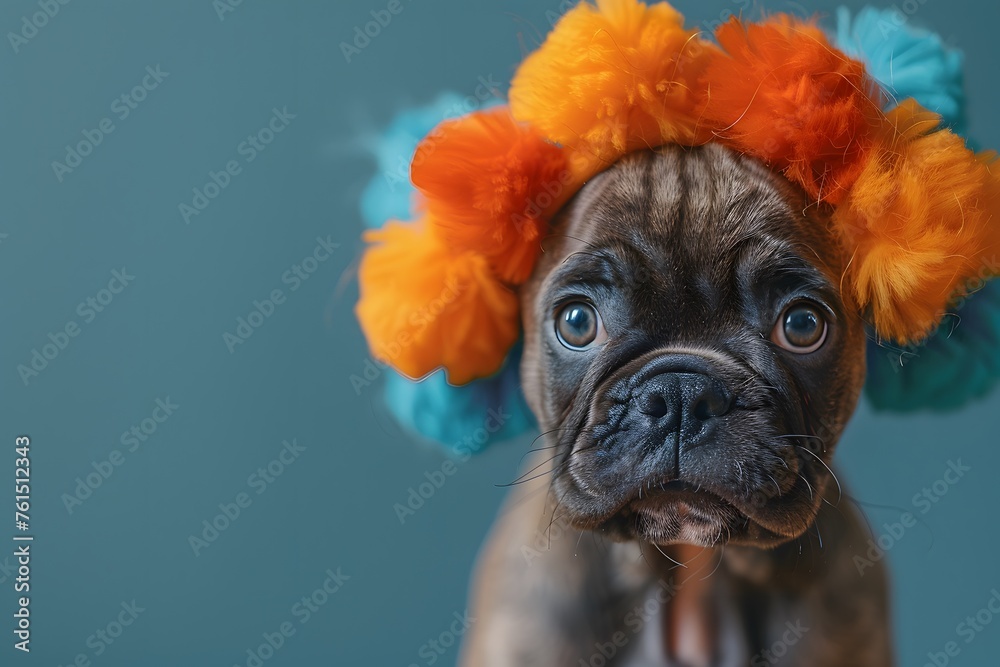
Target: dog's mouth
{"x": 675, "y": 493}
{"x": 743, "y": 491}
{"x": 676, "y": 511}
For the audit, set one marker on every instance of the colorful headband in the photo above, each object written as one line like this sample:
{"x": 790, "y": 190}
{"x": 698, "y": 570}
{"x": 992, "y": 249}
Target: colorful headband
{"x": 912, "y": 204}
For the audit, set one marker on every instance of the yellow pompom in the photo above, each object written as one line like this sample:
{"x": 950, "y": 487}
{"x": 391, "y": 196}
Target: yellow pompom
{"x": 423, "y": 306}
{"x": 614, "y": 78}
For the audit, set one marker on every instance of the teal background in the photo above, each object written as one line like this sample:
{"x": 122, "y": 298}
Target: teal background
{"x": 162, "y": 336}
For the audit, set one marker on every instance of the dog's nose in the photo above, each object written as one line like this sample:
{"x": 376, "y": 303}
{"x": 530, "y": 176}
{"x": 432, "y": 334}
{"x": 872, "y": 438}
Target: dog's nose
{"x": 683, "y": 402}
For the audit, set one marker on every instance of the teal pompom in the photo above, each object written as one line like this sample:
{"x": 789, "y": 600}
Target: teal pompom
{"x": 485, "y": 411}
{"x": 468, "y": 418}
{"x": 906, "y": 60}
{"x": 959, "y": 363}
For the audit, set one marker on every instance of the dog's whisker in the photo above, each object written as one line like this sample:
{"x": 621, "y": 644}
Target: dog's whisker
{"x": 773, "y": 481}
{"x": 642, "y": 554}
{"x": 523, "y": 478}
{"x": 542, "y": 435}
{"x": 657, "y": 546}
{"x": 578, "y": 540}
{"x": 722, "y": 557}
{"x": 840, "y": 491}
{"x": 808, "y": 485}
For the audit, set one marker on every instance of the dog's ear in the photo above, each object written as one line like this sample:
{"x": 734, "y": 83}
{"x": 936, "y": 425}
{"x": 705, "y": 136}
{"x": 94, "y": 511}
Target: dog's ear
{"x": 432, "y": 409}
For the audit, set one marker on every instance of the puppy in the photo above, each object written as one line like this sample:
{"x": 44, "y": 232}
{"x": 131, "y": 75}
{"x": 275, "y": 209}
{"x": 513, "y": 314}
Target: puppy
{"x": 692, "y": 362}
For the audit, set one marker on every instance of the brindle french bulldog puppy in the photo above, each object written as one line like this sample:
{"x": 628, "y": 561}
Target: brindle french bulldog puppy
{"x": 692, "y": 362}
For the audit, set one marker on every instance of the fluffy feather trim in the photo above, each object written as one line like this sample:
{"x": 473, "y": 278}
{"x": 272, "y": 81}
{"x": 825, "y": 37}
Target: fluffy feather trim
{"x": 614, "y": 78}
{"x": 923, "y": 221}
{"x": 780, "y": 92}
{"x": 423, "y": 306}
{"x": 488, "y": 184}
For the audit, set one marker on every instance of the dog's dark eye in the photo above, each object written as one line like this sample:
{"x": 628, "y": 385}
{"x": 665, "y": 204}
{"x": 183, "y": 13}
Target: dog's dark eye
{"x": 800, "y": 329}
{"x": 578, "y": 325}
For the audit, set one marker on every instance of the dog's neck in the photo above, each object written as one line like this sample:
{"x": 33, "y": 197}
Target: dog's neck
{"x": 691, "y": 619}
{"x": 689, "y": 624}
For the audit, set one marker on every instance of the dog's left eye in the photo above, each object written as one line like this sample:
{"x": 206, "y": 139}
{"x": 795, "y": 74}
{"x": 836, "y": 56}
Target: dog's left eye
{"x": 578, "y": 325}
{"x": 801, "y": 328}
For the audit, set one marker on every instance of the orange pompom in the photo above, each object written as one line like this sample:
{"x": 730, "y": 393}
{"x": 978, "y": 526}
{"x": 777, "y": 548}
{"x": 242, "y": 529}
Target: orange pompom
{"x": 489, "y": 185}
{"x": 614, "y": 78}
{"x": 923, "y": 221}
{"x": 423, "y": 306}
{"x": 782, "y": 93}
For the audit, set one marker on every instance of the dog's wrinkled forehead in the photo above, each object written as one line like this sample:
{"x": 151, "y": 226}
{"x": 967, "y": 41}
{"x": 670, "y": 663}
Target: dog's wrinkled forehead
{"x": 704, "y": 225}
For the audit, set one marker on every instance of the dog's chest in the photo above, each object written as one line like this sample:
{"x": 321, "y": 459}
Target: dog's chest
{"x": 649, "y": 649}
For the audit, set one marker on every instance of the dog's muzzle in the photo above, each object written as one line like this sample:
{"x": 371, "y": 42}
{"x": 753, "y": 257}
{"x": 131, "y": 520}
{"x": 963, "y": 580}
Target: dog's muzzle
{"x": 675, "y": 401}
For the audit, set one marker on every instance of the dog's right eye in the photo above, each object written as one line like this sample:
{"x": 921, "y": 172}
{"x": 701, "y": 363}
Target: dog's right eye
{"x": 578, "y": 325}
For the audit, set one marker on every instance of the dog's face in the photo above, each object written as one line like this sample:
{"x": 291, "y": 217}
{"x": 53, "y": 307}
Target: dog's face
{"x": 688, "y": 351}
